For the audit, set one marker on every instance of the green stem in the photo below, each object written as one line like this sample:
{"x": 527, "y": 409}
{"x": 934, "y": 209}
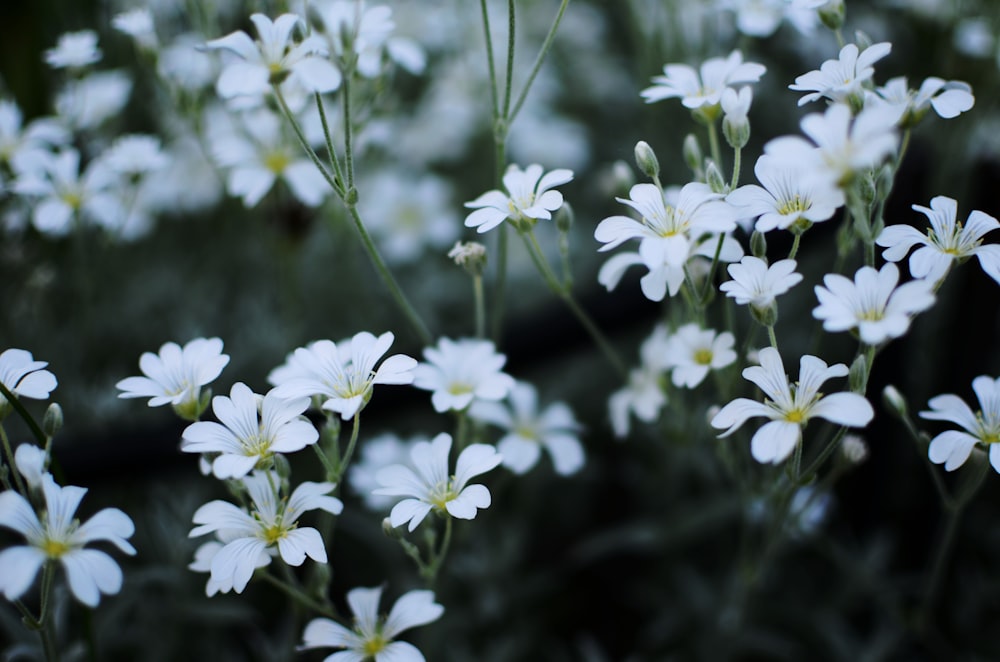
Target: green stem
{"x": 345, "y": 94}
{"x": 737, "y": 165}
{"x": 298, "y": 596}
{"x": 335, "y": 184}
{"x": 806, "y": 476}
{"x": 332, "y": 153}
{"x": 438, "y": 556}
{"x": 509, "y": 80}
{"x": 770, "y": 335}
{"x": 795, "y": 246}
{"x": 21, "y": 487}
{"x": 346, "y": 460}
{"x": 542, "y": 54}
{"x": 713, "y": 143}
{"x": 489, "y": 59}
{"x": 48, "y": 628}
{"x": 23, "y": 413}
{"x": 480, "y": 300}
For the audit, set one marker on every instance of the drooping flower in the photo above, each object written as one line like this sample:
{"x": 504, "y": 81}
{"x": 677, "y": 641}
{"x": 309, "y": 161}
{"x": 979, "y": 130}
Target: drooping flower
{"x": 691, "y": 351}
{"x": 788, "y": 199}
{"x": 344, "y": 373}
{"x": 433, "y": 487}
{"x": 528, "y": 198}
{"x": 790, "y": 406}
{"x": 252, "y": 430}
{"x": 702, "y": 88}
{"x": 58, "y": 536}
{"x": 528, "y": 431}
{"x": 270, "y": 528}
{"x": 947, "y": 241}
{"x": 757, "y": 283}
{"x": 952, "y": 447}
{"x": 24, "y": 377}
{"x": 872, "y": 303}
{"x": 842, "y": 80}
{"x": 175, "y": 375}
{"x": 461, "y": 371}
{"x": 274, "y": 58}
{"x": 373, "y": 637}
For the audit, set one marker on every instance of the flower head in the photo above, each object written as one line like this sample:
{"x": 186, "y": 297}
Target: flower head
{"x": 252, "y": 430}
{"x": 757, "y": 283}
{"x": 461, "y": 371}
{"x": 947, "y": 241}
{"x": 24, "y": 377}
{"x": 433, "y": 487}
{"x": 949, "y": 99}
{"x": 344, "y": 373}
{"x": 175, "y": 375}
{"x": 841, "y": 80}
{"x": 74, "y": 50}
{"x": 271, "y": 526}
{"x": 528, "y": 431}
{"x": 372, "y": 637}
{"x": 691, "y": 351}
{"x": 57, "y": 536}
{"x": 702, "y": 88}
{"x": 528, "y": 198}
{"x": 872, "y": 303}
{"x": 790, "y": 406}
{"x": 982, "y": 427}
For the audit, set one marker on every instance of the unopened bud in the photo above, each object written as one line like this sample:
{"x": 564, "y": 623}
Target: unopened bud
{"x": 646, "y": 159}
{"x": 52, "y": 422}
{"x": 854, "y": 449}
{"x": 737, "y": 133}
{"x": 693, "y": 156}
{"x": 564, "y": 218}
{"x": 714, "y": 178}
{"x": 857, "y": 378}
{"x": 758, "y": 245}
{"x": 390, "y": 531}
{"x": 832, "y": 14}
{"x": 765, "y": 315}
{"x": 894, "y": 401}
{"x": 351, "y": 196}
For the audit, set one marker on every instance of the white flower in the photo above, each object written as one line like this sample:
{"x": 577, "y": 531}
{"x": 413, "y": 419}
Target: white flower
{"x": 203, "y": 557}
{"x": 375, "y": 454}
{"x": 351, "y": 28}
{"x": 23, "y": 376}
{"x": 175, "y": 375}
{"x": 528, "y": 196}
{"x": 58, "y": 536}
{"x": 433, "y": 487}
{"x": 841, "y": 145}
{"x": 74, "y": 50}
{"x": 946, "y": 241}
{"x": 135, "y": 155}
{"x": 87, "y": 102}
{"x": 789, "y": 197}
{"x": 756, "y": 283}
{"x": 790, "y": 406}
{"x": 138, "y": 24}
{"x": 459, "y": 372}
{"x": 253, "y": 429}
{"x": 761, "y": 18}
{"x": 273, "y": 58}
{"x": 841, "y": 80}
{"x": 952, "y": 448}
{"x": 31, "y": 461}
{"x": 528, "y": 430}
{"x": 694, "y": 90}
{"x": 16, "y": 141}
{"x": 259, "y": 154}
{"x": 372, "y": 637}
{"x": 691, "y": 352}
{"x": 344, "y": 374}
{"x": 872, "y": 303}
{"x": 948, "y": 98}
{"x": 250, "y": 537}
{"x": 643, "y": 395}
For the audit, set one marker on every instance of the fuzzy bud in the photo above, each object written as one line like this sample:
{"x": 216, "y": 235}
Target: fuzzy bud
{"x": 693, "y": 155}
{"x": 389, "y": 530}
{"x": 765, "y": 315}
{"x": 714, "y": 178}
{"x": 758, "y": 245}
{"x": 52, "y": 422}
{"x": 894, "y": 401}
{"x": 564, "y": 218}
{"x": 646, "y": 159}
{"x": 857, "y": 378}
{"x": 832, "y": 14}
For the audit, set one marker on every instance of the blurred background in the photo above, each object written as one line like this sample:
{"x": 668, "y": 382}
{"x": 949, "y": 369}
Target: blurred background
{"x": 634, "y": 558}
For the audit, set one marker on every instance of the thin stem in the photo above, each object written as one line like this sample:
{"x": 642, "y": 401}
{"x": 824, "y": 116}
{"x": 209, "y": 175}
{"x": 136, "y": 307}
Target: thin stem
{"x": 771, "y": 337}
{"x": 509, "y": 80}
{"x": 710, "y": 278}
{"x": 336, "y": 185}
{"x": 489, "y": 59}
{"x": 332, "y": 153}
{"x": 737, "y": 165}
{"x": 438, "y": 557}
{"x": 298, "y": 596}
{"x": 480, "y": 301}
{"x": 713, "y": 143}
{"x": 346, "y": 460}
{"x": 805, "y": 476}
{"x": 795, "y": 246}
{"x": 345, "y": 94}
{"x": 48, "y": 628}
{"x": 21, "y": 488}
{"x": 23, "y": 413}
{"x": 542, "y": 54}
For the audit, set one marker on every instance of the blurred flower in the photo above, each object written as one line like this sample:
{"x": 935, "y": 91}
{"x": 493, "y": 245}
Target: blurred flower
{"x": 74, "y": 50}
{"x": 16, "y": 141}
{"x": 252, "y": 430}
{"x": 528, "y": 430}
{"x": 528, "y": 198}
{"x": 705, "y": 90}
{"x": 23, "y": 376}
{"x": 952, "y": 448}
{"x": 872, "y": 303}
{"x": 138, "y": 24}
{"x": 790, "y": 406}
{"x": 431, "y": 486}
{"x": 842, "y": 80}
{"x": 175, "y": 376}
{"x": 135, "y": 155}
{"x": 344, "y": 375}
{"x": 644, "y": 394}
{"x": 272, "y": 525}
{"x": 946, "y": 241}
{"x": 790, "y": 199}
{"x": 460, "y": 372}
{"x": 31, "y": 461}
{"x": 58, "y": 536}
{"x": 203, "y": 557}
{"x": 273, "y": 59}
{"x": 949, "y": 99}
{"x": 352, "y": 28}
{"x": 756, "y": 283}
{"x": 375, "y": 454}
{"x": 89, "y": 101}
{"x": 691, "y": 351}
{"x": 372, "y": 637}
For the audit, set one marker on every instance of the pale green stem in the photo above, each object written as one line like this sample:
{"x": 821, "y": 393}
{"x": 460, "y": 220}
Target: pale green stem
{"x": 542, "y": 54}
{"x": 28, "y": 419}
{"x": 737, "y": 165}
{"x": 438, "y": 556}
{"x": 509, "y": 80}
{"x": 47, "y": 632}
{"x": 489, "y": 59}
{"x": 298, "y": 596}
{"x": 771, "y": 336}
{"x": 795, "y": 246}
{"x": 332, "y": 153}
{"x": 710, "y": 278}
{"x": 310, "y": 152}
{"x": 480, "y": 300}
{"x": 804, "y": 477}
{"x": 713, "y": 143}
{"x": 345, "y": 461}
{"x": 345, "y": 94}
{"x": 9, "y": 452}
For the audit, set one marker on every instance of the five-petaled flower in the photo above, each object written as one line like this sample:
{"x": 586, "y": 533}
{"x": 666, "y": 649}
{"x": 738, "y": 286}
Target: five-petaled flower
{"x": 952, "y": 447}
{"x": 461, "y": 371}
{"x": 57, "y": 536}
{"x": 372, "y": 637}
{"x": 433, "y": 487}
{"x": 790, "y": 406}
{"x": 703, "y": 89}
{"x": 529, "y": 197}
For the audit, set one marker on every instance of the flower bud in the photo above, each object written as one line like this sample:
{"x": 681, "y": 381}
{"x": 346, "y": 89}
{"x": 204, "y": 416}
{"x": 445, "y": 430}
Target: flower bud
{"x": 564, "y": 218}
{"x": 389, "y": 530}
{"x": 832, "y": 14}
{"x": 758, "y": 245}
{"x": 854, "y": 449}
{"x": 646, "y": 159}
{"x": 52, "y": 422}
{"x": 894, "y": 401}
{"x": 693, "y": 155}
{"x": 857, "y": 378}
{"x": 351, "y": 196}
{"x": 765, "y": 315}
{"x": 714, "y": 178}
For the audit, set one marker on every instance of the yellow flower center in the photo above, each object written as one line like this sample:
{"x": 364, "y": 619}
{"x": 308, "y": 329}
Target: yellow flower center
{"x": 276, "y": 162}
{"x": 793, "y": 205}
{"x": 54, "y": 548}
{"x": 274, "y": 533}
{"x": 442, "y": 494}
{"x": 376, "y": 644}
{"x": 703, "y": 356}
{"x": 795, "y": 416}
